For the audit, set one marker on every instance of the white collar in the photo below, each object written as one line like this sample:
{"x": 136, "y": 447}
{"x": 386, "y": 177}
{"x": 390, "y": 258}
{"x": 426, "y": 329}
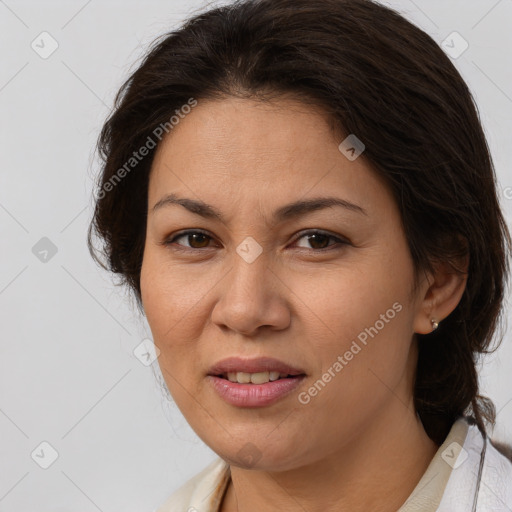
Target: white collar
{"x": 481, "y": 479}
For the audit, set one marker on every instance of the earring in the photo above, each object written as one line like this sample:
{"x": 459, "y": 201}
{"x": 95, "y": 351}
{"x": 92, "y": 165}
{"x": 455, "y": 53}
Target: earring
{"x": 435, "y": 325}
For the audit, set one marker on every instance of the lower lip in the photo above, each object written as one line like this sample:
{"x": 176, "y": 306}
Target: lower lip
{"x": 254, "y": 395}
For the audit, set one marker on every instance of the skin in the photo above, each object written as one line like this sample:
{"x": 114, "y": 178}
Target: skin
{"x": 358, "y": 445}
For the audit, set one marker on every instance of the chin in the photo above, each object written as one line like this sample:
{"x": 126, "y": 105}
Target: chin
{"x": 255, "y": 455}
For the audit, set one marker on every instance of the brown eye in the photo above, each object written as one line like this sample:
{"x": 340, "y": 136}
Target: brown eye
{"x": 319, "y": 240}
{"x": 198, "y": 238}
{"x": 195, "y": 240}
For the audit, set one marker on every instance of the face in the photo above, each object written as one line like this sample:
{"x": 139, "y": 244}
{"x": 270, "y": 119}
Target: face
{"x": 323, "y": 289}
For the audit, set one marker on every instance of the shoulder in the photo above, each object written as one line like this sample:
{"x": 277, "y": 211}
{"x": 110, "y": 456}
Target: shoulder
{"x": 494, "y": 487}
{"x": 497, "y": 478}
{"x": 200, "y": 491}
{"x": 481, "y": 475}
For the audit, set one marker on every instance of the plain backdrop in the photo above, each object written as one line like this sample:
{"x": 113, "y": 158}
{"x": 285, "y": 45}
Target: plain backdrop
{"x": 73, "y": 394}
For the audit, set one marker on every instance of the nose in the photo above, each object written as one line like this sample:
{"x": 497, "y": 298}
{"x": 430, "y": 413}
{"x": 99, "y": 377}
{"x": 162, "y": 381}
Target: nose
{"x": 252, "y": 297}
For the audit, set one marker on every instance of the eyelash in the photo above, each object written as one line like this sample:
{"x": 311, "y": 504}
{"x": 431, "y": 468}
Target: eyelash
{"x": 182, "y": 234}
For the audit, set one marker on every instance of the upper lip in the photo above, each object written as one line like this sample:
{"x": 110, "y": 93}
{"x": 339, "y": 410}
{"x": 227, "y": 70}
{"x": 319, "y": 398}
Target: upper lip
{"x": 256, "y": 365}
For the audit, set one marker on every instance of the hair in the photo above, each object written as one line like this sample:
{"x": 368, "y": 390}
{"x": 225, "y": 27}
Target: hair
{"x": 376, "y": 75}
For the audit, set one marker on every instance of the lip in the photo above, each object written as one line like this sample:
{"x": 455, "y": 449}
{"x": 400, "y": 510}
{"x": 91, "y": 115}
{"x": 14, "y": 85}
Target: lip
{"x": 254, "y": 395}
{"x": 255, "y": 365}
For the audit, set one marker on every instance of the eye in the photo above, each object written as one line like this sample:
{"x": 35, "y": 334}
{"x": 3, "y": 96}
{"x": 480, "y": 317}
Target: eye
{"x": 196, "y": 239}
{"x": 320, "y": 238}
{"x": 200, "y": 240}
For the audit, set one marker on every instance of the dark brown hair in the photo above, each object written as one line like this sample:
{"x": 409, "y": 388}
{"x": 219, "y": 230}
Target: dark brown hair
{"x": 377, "y": 76}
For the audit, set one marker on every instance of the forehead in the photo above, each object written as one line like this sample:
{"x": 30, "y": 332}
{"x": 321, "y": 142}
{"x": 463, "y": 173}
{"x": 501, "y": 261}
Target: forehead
{"x": 248, "y": 130}
{"x": 239, "y": 150}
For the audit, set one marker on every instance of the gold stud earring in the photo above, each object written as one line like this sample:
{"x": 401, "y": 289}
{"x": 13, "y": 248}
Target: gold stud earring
{"x": 435, "y": 325}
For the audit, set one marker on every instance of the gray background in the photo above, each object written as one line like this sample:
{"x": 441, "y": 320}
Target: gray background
{"x": 68, "y": 374}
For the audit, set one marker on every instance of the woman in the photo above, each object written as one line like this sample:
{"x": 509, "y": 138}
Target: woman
{"x": 301, "y": 197}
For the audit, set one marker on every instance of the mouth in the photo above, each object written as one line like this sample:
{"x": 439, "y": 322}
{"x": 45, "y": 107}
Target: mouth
{"x": 256, "y": 371}
{"x": 258, "y": 382}
{"x": 257, "y": 377}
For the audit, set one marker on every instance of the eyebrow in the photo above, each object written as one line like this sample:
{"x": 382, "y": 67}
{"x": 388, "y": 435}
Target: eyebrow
{"x": 283, "y": 213}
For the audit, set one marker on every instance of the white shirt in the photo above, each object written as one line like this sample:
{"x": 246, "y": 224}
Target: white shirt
{"x": 462, "y": 477}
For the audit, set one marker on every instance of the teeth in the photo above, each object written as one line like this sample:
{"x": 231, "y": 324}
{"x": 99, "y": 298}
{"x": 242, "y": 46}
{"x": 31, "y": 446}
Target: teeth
{"x": 244, "y": 378}
{"x": 254, "y": 378}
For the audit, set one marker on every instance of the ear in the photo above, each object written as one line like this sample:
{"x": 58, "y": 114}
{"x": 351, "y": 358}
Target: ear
{"x": 441, "y": 292}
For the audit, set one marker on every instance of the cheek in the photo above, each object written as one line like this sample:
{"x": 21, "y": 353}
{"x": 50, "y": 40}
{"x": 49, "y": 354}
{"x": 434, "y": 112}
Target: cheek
{"x": 361, "y": 349}
{"x": 171, "y": 297}
{"x": 166, "y": 312}
{"x": 171, "y": 308}
{"x": 350, "y": 299}
{"x": 363, "y": 314}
